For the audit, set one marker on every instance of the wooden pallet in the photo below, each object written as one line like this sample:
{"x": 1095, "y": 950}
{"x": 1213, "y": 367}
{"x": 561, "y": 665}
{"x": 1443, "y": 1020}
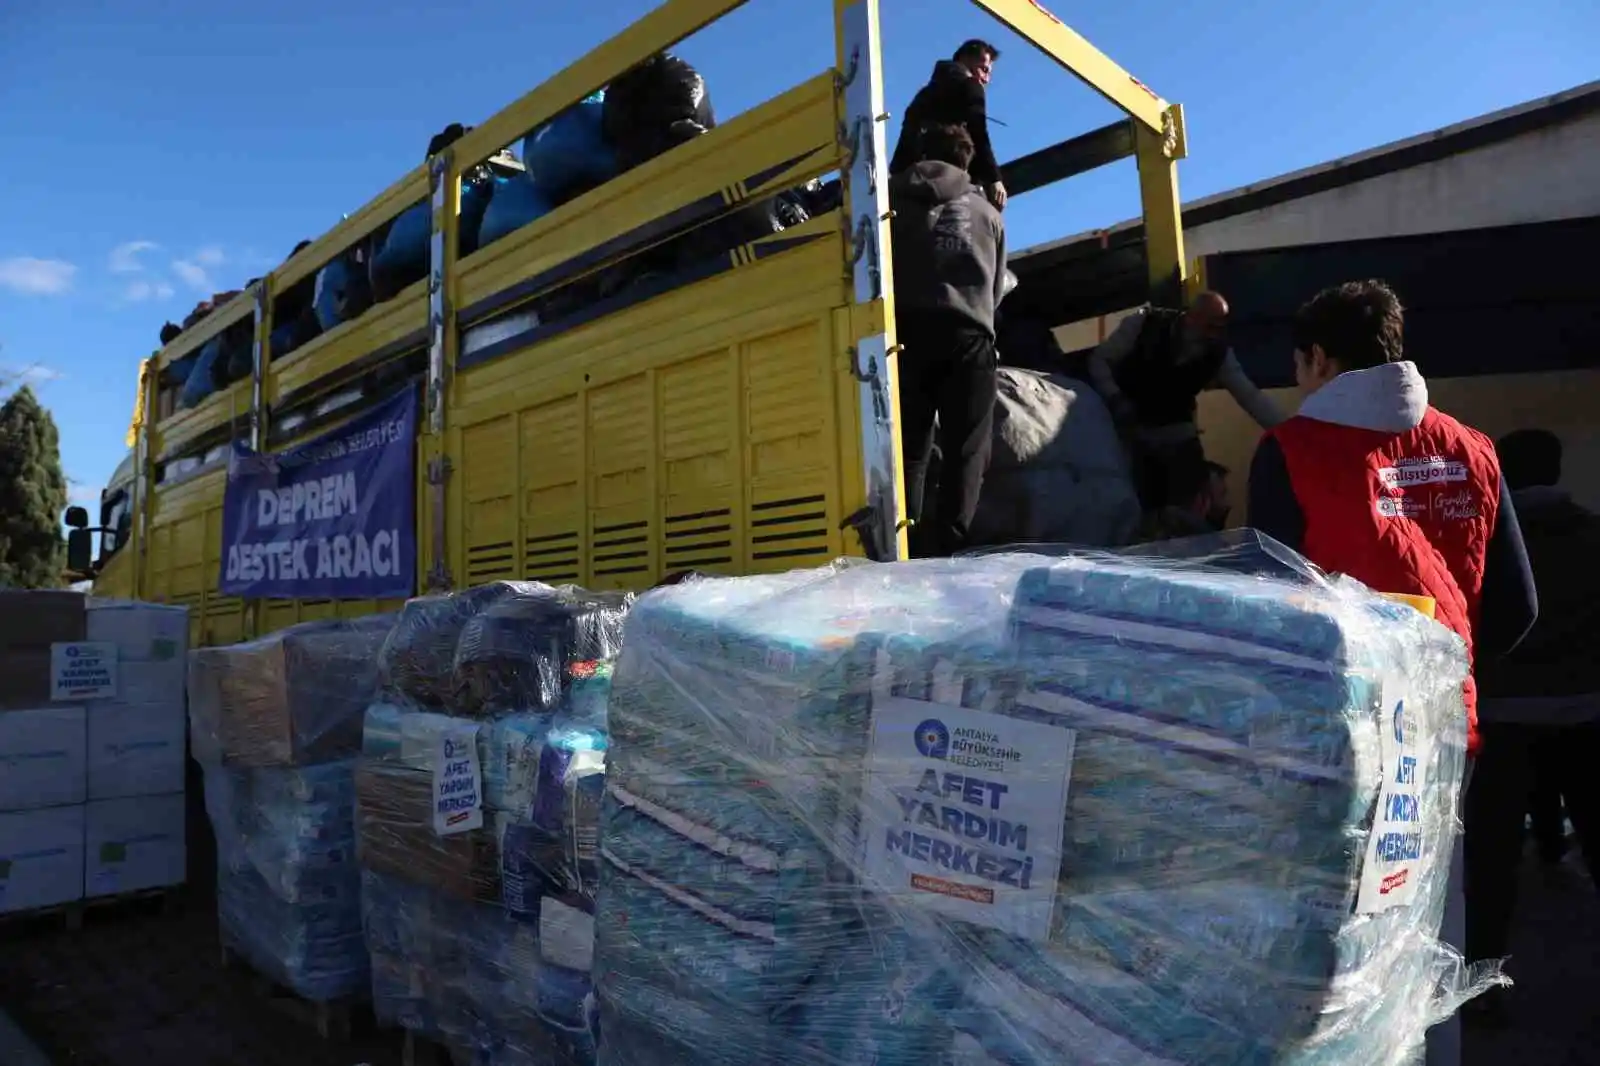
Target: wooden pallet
{"x": 72, "y": 914}
{"x": 337, "y": 1019}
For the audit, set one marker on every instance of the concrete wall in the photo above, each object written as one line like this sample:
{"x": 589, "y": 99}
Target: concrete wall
{"x": 1541, "y": 176}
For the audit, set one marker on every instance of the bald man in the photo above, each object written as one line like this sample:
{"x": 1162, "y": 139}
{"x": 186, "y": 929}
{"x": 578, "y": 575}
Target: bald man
{"x": 1151, "y": 371}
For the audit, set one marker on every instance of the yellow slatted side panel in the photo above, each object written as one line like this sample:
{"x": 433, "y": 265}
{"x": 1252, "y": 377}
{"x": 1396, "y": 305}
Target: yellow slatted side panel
{"x": 698, "y": 451}
{"x": 551, "y": 498}
{"x": 698, "y": 431}
{"x": 791, "y": 449}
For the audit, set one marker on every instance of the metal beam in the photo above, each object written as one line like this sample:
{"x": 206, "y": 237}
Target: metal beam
{"x": 1054, "y": 38}
{"x": 1071, "y": 157}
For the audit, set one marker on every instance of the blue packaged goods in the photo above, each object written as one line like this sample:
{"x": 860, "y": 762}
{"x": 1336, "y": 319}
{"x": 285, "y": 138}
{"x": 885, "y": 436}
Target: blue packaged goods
{"x": 515, "y": 202}
{"x": 569, "y": 154}
{"x": 201, "y": 381}
{"x": 275, "y": 724}
{"x": 1021, "y": 811}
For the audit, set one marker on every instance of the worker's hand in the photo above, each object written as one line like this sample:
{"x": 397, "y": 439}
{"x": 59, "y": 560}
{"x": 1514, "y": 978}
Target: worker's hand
{"x": 997, "y": 195}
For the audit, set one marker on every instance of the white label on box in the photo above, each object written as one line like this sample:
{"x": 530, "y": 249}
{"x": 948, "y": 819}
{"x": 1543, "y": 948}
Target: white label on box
{"x": 86, "y": 670}
{"x": 964, "y": 813}
{"x": 1395, "y": 849}
{"x": 457, "y": 781}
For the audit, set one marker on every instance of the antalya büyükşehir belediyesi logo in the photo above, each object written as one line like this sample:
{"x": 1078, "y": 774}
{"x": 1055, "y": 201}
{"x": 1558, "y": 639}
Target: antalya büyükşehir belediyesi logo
{"x": 933, "y": 739}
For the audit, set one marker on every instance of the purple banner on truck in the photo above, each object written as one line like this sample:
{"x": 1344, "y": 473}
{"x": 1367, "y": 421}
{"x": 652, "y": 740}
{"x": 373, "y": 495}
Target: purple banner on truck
{"x": 334, "y": 518}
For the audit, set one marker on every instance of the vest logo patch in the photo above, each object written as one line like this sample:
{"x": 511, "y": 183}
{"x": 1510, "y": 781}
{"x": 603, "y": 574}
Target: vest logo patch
{"x": 1424, "y": 470}
{"x": 1401, "y": 507}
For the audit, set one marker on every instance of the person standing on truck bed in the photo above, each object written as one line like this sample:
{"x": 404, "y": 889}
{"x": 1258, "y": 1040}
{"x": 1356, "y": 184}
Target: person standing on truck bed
{"x": 956, "y": 95}
{"x": 1540, "y": 715}
{"x": 1371, "y": 481}
{"x": 1151, "y": 371}
{"x": 949, "y": 267}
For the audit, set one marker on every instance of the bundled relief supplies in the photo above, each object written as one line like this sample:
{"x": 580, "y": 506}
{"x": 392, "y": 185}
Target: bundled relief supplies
{"x": 1022, "y": 810}
{"x": 276, "y": 727}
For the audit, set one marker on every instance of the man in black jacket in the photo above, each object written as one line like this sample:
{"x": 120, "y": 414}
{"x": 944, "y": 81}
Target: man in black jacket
{"x": 949, "y": 265}
{"x": 1539, "y": 712}
{"x": 956, "y": 95}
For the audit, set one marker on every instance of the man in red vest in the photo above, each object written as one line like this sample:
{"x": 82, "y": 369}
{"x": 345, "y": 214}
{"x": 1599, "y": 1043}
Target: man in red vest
{"x": 1371, "y": 481}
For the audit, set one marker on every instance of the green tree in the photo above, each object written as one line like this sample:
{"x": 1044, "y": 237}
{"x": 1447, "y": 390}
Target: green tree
{"x": 33, "y": 493}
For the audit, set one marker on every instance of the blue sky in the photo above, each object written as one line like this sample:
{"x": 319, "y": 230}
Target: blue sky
{"x": 155, "y": 152}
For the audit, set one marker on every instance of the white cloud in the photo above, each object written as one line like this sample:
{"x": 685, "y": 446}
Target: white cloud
{"x": 14, "y": 376}
{"x": 194, "y": 275}
{"x": 210, "y": 256}
{"x": 36, "y": 277}
{"x": 140, "y": 291}
{"x": 124, "y": 258}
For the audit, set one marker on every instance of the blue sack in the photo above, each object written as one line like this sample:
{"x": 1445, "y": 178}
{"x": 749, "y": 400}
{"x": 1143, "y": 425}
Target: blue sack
{"x": 517, "y": 201}
{"x": 569, "y": 154}
{"x": 403, "y": 259}
{"x": 343, "y": 292}
{"x": 201, "y": 382}
{"x": 475, "y": 197}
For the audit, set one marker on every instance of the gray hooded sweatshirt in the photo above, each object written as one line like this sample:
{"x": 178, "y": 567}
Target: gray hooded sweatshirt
{"x": 949, "y": 244}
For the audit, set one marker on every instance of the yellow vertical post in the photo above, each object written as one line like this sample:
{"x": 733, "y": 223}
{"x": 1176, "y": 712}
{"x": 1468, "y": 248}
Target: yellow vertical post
{"x": 260, "y": 357}
{"x": 444, "y": 193}
{"x": 871, "y": 342}
{"x": 1157, "y": 155}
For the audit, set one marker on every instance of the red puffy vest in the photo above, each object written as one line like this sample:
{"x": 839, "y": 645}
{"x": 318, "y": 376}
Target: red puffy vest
{"x": 1404, "y": 512}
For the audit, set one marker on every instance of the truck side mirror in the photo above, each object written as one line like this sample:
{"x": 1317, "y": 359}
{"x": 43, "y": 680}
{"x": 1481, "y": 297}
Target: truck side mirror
{"x": 77, "y": 518}
{"x": 80, "y": 547}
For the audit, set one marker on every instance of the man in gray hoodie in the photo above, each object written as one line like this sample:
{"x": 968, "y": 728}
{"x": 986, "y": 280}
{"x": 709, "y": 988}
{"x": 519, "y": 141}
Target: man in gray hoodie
{"x": 949, "y": 268}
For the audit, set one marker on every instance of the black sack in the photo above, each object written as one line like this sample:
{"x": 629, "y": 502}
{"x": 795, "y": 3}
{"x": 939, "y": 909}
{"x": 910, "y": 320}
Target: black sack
{"x": 658, "y": 105}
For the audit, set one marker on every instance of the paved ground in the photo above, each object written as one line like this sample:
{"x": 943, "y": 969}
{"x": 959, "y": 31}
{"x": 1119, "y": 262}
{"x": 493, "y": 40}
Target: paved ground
{"x": 144, "y": 988}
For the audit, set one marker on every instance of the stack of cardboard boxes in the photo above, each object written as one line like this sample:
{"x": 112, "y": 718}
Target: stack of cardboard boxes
{"x": 92, "y": 747}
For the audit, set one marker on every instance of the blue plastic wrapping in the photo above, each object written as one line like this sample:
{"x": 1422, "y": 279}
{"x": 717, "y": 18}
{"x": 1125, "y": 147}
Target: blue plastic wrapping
{"x": 276, "y": 727}
{"x": 1018, "y": 810}
{"x": 569, "y": 154}
{"x": 517, "y": 673}
{"x": 516, "y": 202}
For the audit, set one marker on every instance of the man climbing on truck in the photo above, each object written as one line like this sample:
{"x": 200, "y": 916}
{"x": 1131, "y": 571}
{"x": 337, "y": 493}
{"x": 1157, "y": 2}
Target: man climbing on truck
{"x": 1151, "y": 371}
{"x": 949, "y": 265}
{"x": 956, "y": 95}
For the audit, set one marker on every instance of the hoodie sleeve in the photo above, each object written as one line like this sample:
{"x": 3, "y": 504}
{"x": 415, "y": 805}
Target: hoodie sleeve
{"x": 1510, "y": 603}
{"x": 999, "y": 228}
{"x": 1273, "y": 508}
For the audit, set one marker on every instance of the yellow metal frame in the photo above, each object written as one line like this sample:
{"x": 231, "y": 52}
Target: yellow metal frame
{"x": 838, "y": 267}
{"x": 1160, "y": 139}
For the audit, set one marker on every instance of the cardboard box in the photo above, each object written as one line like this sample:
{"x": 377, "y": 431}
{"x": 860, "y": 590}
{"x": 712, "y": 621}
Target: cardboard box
{"x": 394, "y": 821}
{"x": 41, "y": 858}
{"x": 142, "y": 632}
{"x": 133, "y": 844}
{"x": 290, "y": 698}
{"x": 24, "y": 678}
{"x": 134, "y": 749}
{"x": 43, "y": 757}
{"x": 35, "y": 619}
{"x": 147, "y": 684}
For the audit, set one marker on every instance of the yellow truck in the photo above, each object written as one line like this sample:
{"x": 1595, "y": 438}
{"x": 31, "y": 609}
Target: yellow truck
{"x": 732, "y": 415}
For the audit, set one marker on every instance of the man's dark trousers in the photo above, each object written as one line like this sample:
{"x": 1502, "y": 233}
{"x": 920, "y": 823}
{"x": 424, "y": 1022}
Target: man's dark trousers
{"x": 947, "y": 372}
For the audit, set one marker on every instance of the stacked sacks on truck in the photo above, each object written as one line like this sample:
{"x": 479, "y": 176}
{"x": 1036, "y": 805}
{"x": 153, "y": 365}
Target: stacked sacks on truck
{"x": 490, "y": 687}
{"x": 276, "y": 726}
{"x": 569, "y": 155}
{"x": 343, "y": 289}
{"x": 1023, "y": 811}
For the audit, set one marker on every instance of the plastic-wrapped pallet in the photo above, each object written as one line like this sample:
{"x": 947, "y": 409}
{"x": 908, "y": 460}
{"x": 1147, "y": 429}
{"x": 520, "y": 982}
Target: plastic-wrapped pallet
{"x": 1022, "y": 811}
{"x": 276, "y": 727}
{"x": 490, "y": 727}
